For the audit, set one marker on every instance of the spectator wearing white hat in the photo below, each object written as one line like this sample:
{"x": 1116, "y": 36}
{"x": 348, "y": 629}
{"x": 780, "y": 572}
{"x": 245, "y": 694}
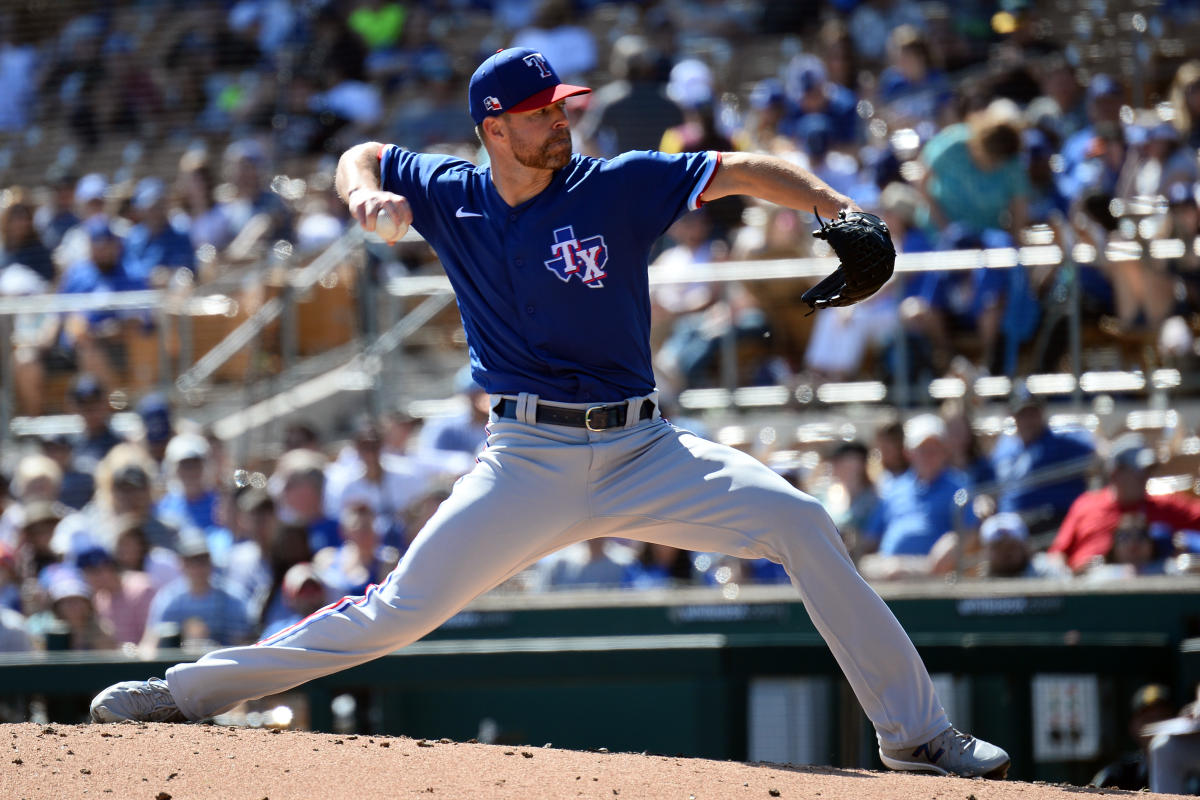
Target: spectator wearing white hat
{"x": 1006, "y": 553}
{"x": 919, "y": 507}
{"x": 191, "y": 497}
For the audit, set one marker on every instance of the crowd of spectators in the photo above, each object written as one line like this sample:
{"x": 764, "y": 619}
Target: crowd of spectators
{"x": 165, "y": 135}
{"x": 156, "y": 539}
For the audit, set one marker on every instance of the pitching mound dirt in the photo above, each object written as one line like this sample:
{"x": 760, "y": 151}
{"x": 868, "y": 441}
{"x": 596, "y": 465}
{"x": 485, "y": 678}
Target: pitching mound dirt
{"x": 178, "y": 762}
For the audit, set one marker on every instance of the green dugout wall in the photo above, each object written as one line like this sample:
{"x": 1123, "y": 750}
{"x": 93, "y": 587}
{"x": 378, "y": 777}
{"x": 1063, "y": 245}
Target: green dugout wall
{"x": 1045, "y": 669}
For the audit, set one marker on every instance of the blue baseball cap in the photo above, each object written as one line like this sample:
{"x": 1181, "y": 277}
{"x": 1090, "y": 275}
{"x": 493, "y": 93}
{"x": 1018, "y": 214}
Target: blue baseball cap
{"x": 516, "y": 79}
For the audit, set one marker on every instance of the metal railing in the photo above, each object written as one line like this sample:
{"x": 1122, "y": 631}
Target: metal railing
{"x": 363, "y": 366}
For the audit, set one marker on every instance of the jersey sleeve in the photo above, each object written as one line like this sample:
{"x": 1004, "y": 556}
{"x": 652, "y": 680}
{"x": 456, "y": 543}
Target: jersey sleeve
{"x": 658, "y": 188}
{"x": 414, "y": 175}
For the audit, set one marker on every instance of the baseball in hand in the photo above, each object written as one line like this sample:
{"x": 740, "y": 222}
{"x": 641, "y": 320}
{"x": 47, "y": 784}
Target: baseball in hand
{"x": 387, "y": 228}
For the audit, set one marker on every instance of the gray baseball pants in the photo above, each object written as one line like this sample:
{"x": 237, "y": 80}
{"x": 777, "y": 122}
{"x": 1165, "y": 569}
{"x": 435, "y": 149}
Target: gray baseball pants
{"x": 538, "y": 488}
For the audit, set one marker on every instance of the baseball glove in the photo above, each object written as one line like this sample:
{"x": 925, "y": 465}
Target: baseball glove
{"x": 864, "y": 247}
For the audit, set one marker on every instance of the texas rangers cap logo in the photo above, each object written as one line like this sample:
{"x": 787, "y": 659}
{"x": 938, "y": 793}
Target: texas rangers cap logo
{"x": 584, "y": 258}
{"x": 492, "y": 104}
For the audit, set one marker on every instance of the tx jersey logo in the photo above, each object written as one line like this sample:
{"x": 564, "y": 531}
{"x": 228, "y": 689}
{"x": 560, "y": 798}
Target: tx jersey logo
{"x": 583, "y": 257}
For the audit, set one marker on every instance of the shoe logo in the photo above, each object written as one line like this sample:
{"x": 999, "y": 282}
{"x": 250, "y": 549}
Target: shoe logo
{"x": 929, "y": 755}
{"x": 461, "y": 214}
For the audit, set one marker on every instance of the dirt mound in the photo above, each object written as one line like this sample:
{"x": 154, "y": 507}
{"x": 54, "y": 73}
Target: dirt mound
{"x": 177, "y": 762}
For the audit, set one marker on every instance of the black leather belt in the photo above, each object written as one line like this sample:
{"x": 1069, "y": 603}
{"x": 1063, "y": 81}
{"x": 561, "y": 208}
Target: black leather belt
{"x": 596, "y": 418}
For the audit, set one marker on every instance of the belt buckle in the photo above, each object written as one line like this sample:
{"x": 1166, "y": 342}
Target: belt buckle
{"x": 587, "y": 418}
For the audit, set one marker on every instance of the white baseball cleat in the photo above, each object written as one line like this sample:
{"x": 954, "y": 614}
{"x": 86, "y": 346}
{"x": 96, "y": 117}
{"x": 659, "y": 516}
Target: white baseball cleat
{"x": 950, "y": 753}
{"x": 139, "y": 701}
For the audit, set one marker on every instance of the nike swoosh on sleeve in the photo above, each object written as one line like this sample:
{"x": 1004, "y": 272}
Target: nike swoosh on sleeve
{"x": 461, "y": 214}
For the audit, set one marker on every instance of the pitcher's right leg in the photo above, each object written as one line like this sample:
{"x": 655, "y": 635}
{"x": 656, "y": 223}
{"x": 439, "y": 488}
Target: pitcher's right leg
{"x": 507, "y": 513}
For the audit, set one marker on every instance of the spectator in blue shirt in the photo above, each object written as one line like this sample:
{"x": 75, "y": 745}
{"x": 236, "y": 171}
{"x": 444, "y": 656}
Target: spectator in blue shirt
{"x": 810, "y": 92}
{"x": 919, "y": 507}
{"x": 203, "y": 611}
{"x": 154, "y": 248}
{"x": 913, "y": 91}
{"x": 1040, "y": 472}
{"x": 191, "y": 499}
{"x": 1104, "y": 96}
{"x": 463, "y": 432}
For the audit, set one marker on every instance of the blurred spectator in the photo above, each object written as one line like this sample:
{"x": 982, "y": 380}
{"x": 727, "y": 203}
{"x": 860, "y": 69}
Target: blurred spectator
{"x": 1089, "y": 532}
{"x": 594, "y": 564}
{"x": 1185, "y": 101}
{"x": 760, "y": 131}
{"x": 851, "y": 498}
{"x": 154, "y": 249}
{"x": 921, "y": 506}
{"x": 121, "y": 597}
{"x": 361, "y": 560}
{"x": 633, "y": 111}
{"x": 978, "y": 193}
{"x": 223, "y": 617}
{"x": 203, "y": 216}
{"x": 133, "y": 552}
{"x": 89, "y": 398}
{"x": 1174, "y": 751}
{"x": 20, "y": 239}
{"x": 387, "y": 491}
{"x": 1061, "y": 109}
{"x": 659, "y": 566}
{"x": 289, "y": 547}
{"x": 10, "y": 580}
{"x": 13, "y": 636}
{"x": 77, "y": 485}
{"x": 1104, "y": 97}
{"x": 1160, "y": 161}
{"x": 71, "y": 608}
{"x": 568, "y": 46}
{"x": 91, "y": 206}
{"x": 889, "y": 444}
{"x": 124, "y": 496}
{"x": 191, "y": 498}
{"x": 872, "y": 23}
{"x": 1152, "y": 289}
{"x": 303, "y": 593}
{"x": 155, "y": 413}
{"x": 19, "y": 66}
{"x": 811, "y": 95}
{"x": 37, "y": 479}
{"x": 913, "y": 91}
{"x": 1040, "y": 472}
{"x": 299, "y": 485}
{"x": 1151, "y": 703}
{"x": 56, "y": 216}
{"x": 245, "y": 164}
{"x": 36, "y": 561}
{"x": 835, "y": 47}
{"x": 696, "y": 316}
{"x": 1007, "y": 554}
{"x": 248, "y": 571}
{"x": 1047, "y": 203}
{"x": 95, "y": 337}
{"x": 966, "y": 453}
{"x": 462, "y": 432}
{"x": 301, "y": 435}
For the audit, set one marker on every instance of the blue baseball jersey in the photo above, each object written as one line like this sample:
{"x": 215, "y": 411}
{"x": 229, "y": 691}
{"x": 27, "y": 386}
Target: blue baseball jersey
{"x": 554, "y": 293}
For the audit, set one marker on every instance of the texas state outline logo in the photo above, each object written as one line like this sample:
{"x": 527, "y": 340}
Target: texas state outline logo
{"x": 584, "y": 258}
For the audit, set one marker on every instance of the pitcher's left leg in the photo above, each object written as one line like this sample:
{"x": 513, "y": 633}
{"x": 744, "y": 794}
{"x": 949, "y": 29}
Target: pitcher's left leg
{"x": 687, "y": 492}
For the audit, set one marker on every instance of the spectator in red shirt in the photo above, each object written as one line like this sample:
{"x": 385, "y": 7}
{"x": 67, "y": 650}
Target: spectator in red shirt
{"x": 1088, "y": 531}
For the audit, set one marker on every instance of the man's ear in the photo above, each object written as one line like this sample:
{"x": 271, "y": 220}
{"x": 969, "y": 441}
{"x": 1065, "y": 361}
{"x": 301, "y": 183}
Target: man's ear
{"x": 494, "y": 128}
